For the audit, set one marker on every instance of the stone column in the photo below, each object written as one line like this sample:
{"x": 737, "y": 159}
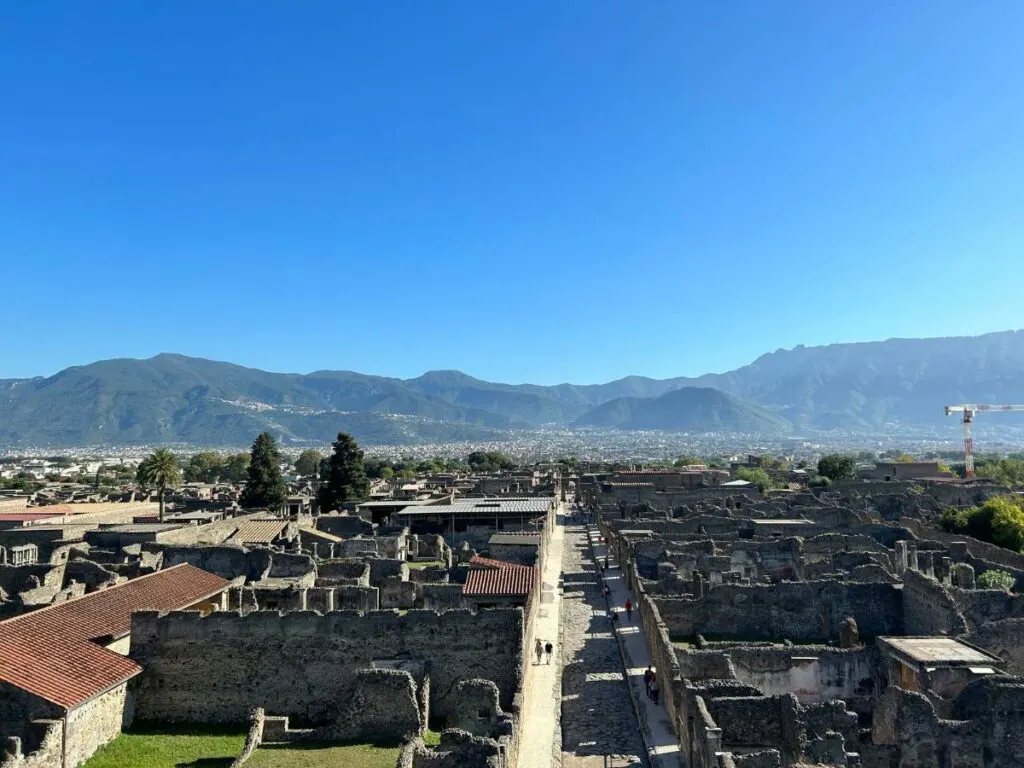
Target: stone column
{"x": 912, "y": 557}
{"x": 901, "y": 557}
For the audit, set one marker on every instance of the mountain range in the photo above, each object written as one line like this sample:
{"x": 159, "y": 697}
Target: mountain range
{"x": 173, "y": 398}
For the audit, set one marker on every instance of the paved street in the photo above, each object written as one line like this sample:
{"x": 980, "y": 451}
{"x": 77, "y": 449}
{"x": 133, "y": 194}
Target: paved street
{"x": 599, "y": 726}
{"x": 540, "y": 708}
{"x": 657, "y": 728}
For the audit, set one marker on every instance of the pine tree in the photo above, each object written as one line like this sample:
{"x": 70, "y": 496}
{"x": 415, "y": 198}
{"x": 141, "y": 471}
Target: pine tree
{"x": 265, "y": 486}
{"x": 346, "y": 475}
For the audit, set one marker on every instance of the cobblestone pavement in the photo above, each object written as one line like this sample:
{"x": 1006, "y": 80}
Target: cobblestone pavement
{"x": 599, "y": 726}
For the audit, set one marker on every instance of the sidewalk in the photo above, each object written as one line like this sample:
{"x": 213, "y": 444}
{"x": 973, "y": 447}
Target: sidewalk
{"x": 543, "y": 698}
{"x": 659, "y": 737}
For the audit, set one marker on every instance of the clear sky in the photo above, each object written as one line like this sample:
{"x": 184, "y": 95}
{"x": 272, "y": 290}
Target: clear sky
{"x": 527, "y": 191}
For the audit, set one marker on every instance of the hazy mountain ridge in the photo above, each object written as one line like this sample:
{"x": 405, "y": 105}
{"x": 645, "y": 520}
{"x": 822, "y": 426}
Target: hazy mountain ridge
{"x": 689, "y": 409}
{"x": 176, "y": 398}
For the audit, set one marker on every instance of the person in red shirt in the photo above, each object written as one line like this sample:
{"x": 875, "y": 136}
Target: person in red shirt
{"x": 629, "y": 610}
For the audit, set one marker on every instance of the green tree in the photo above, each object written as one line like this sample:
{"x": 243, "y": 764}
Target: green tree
{"x": 160, "y": 471}
{"x": 204, "y": 467}
{"x": 836, "y": 466}
{"x": 264, "y": 486}
{"x": 346, "y": 479}
{"x": 866, "y": 456}
{"x": 995, "y": 579}
{"x": 236, "y": 468}
{"x": 489, "y": 461}
{"x": 308, "y": 462}
{"x": 1000, "y": 520}
{"x": 755, "y": 475}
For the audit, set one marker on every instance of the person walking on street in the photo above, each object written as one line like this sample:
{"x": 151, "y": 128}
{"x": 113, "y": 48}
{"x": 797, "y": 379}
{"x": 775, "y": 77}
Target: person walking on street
{"x": 654, "y": 690}
{"x": 538, "y": 648}
{"x": 549, "y": 649}
{"x": 607, "y": 592}
{"x": 629, "y": 609}
{"x": 648, "y": 679}
{"x": 615, "y": 617}
{"x": 606, "y": 561}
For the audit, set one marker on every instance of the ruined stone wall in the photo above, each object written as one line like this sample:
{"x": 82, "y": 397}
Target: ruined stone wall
{"x": 747, "y": 721}
{"x": 18, "y": 708}
{"x": 662, "y": 652}
{"x": 928, "y": 608}
{"x": 980, "y": 606}
{"x": 303, "y": 665}
{"x": 227, "y": 561}
{"x": 96, "y": 723}
{"x": 800, "y": 611}
{"x": 47, "y": 751}
{"x": 1005, "y": 639}
{"x": 979, "y": 549}
{"x": 813, "y": 674}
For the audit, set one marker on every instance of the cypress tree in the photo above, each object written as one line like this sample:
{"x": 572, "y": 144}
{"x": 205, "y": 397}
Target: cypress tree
{"x": 346, "y": 478}
{"x": 265, "y": 486}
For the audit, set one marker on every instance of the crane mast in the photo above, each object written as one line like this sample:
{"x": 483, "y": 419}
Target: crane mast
{"x": 969, "y": 410}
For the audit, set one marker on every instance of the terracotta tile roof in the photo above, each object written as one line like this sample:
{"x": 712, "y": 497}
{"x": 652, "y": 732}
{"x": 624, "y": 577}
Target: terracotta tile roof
{"x": 487, "y": 563}
{"x": 259, "y": 531}
{"x": 50, "y": 654}
{"x": 52, "y": 509}
{"x": 25, "y": 517}
{"x": 503, "y": 582}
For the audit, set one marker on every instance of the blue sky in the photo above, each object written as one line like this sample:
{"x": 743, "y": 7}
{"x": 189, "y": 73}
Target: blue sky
{"x": 530, "y": 191}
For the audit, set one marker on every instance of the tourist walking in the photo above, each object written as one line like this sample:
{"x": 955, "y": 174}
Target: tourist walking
{"x": 607, "y": 592}
{"x": 615, "y": 617}
{"x": 648, "y": 679}
{"x": 538, "y": 648}
{"x": 629, "y": 609}
{"x": 549, "y": 649}
{"x": 654, "y": 689}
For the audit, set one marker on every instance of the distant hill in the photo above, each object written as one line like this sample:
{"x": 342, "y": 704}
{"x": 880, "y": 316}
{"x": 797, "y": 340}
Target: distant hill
{"x": 690, "y": 409}
{"x": 174, "y": 398}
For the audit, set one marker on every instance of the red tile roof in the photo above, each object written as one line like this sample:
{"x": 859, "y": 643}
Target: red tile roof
{"x": 498, "y": 577}
{"x": 259, "y": 531}
{"x": 505, "y": 582}
{"x": 26, "y": 517}
{"x": 49, "y": 652}
{"x": 487, "y": 563}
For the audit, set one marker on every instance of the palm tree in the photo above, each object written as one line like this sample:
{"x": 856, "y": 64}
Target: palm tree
{"x": 159, "y": 470}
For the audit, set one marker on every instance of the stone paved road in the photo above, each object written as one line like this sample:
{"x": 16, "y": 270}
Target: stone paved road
{"x": 599, "y": 727}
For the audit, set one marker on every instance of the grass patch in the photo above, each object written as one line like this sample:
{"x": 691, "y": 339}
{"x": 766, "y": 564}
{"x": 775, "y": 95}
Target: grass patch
{"x": 319, "y": 755}
{"x": 431, "y": 738}
{"x": 195, "y": 748}
{"x": 425, "y": 564}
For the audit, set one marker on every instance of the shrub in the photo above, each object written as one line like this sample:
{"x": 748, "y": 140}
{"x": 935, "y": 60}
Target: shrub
{"x": 994, "y": 579}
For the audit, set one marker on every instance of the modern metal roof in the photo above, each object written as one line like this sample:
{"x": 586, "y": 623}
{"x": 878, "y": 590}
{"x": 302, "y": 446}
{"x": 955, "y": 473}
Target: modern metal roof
{"x": 516, "y": 539}
{"x": 486, "y": 506}
{"x": 931, "y": 650}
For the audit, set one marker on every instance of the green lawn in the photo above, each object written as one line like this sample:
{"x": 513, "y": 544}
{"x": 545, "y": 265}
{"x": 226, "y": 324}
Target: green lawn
{"x": 425, "y": 564}
{"x": 145, "y": 749}
{"x": 316, "y": 755}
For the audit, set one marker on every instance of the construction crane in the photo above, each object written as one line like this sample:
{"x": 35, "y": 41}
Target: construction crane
{"x": 968, "y": 411}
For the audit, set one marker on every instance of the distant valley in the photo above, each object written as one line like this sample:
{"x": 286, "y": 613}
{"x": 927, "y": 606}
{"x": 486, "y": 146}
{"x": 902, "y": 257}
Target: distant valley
{"x": 174, "y": 398}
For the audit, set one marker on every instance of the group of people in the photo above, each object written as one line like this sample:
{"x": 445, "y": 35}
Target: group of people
{"x": 540, "y": 648}
{"x": 650, "y": 678}
{"x": 651, "y": 685}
